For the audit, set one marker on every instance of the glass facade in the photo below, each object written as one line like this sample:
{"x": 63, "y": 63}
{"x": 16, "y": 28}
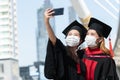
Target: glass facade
{"x": 42, "y": 37}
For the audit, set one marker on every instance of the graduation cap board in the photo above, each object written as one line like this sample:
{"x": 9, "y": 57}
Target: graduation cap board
{"x": 76, "y": 26}
{"x": 100, "y": 27}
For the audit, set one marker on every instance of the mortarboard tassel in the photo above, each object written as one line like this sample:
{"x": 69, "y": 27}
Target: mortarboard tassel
{"x": 110, "y": 47}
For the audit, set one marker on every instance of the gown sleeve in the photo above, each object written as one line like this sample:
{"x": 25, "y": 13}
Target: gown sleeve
{"x": 54, "y": 64}
{"x": 112, "y": 74}
{"x": 106, "y": 70}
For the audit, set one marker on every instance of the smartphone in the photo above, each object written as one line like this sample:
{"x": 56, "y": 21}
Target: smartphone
{"x": 58, "y": 11}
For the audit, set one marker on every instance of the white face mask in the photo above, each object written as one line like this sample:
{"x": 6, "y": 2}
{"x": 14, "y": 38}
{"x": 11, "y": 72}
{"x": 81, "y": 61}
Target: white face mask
{"x": 91, "y": 41}
{"x": 72, "y": 41}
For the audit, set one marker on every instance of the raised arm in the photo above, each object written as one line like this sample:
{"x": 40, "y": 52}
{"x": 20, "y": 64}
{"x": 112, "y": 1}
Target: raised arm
{"x": 47, "y": 15}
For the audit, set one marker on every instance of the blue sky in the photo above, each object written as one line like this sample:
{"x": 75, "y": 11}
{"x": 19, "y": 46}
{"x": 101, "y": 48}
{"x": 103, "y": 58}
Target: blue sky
{"x": 27, "y": 24}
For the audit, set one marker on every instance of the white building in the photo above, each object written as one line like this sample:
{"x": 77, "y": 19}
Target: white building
{"x": 9, "y": 69}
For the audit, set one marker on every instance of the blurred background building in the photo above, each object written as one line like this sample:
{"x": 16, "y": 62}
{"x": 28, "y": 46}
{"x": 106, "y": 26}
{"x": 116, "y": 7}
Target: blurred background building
{"x": 41, "y": 33}
{"x": 9, "y": 69}
{"x": 42, "y": 37}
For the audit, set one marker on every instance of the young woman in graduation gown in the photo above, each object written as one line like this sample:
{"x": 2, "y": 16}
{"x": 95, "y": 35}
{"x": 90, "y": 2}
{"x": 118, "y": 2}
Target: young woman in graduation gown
{"x": 98, "y": 59}
{"x": 62, "y": 62}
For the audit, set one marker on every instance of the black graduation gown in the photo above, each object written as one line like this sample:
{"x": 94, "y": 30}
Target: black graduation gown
{"x": 60, "y": 66}
{"x": 100, "y": 67}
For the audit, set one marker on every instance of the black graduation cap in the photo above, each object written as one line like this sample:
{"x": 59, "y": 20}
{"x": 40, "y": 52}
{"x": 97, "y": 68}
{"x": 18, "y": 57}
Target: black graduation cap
{"x": 77, "y": 26}
{"x": 100, "y": 27}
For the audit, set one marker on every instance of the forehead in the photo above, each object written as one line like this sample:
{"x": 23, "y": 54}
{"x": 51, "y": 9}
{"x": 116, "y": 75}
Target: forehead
{"x": 74, "y": 31}
{"x": 92, "y": 31}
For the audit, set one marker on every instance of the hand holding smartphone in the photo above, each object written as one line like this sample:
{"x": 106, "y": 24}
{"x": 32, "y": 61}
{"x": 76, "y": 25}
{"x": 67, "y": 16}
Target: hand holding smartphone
{"x": 58, "y": 11}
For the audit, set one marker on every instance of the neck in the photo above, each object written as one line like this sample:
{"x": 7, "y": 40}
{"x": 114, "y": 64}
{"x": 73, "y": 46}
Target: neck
{"x": 72, "y": 49}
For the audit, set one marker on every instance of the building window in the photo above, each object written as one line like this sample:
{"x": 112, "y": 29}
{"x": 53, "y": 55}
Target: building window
{"x": 4, "y": 13}
{"x": 1, "y": 68}
{"x": 4, "y": 0}
{"x": 4, "y": 19}
{"x": 4, "y": 6}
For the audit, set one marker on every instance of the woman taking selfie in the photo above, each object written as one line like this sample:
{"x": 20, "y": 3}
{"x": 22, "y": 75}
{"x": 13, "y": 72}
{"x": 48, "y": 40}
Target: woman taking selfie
{"x": 62, "y": 62}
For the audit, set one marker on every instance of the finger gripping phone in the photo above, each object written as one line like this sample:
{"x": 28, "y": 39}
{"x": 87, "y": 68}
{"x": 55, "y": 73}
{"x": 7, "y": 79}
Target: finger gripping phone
{"x": 58, "y": 11}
